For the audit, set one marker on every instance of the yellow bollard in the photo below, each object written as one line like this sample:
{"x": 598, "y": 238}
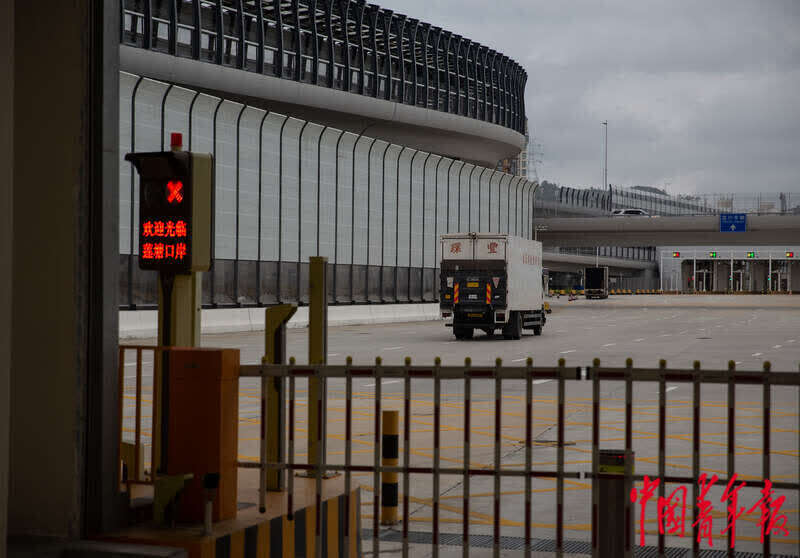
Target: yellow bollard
{"x": 390, "y": 452}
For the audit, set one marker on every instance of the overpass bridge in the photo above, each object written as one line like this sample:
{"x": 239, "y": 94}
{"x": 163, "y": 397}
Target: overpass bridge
{"x": 573, "y": 263}
{"x": 762, "y": 230}
{"x": 340, "y": 63}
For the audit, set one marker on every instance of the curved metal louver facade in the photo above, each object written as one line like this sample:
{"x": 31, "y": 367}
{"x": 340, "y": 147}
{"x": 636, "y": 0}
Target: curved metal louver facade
{"x": 347, "y": 45}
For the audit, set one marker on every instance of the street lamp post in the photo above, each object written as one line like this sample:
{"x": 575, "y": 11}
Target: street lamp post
{"x": 605, "y": 162}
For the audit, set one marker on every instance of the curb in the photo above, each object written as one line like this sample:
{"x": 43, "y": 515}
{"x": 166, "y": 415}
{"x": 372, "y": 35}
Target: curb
{"x": 143, "y": 323}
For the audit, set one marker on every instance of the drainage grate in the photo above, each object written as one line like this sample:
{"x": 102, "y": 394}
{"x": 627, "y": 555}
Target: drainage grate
{"x": 545, "y": 545}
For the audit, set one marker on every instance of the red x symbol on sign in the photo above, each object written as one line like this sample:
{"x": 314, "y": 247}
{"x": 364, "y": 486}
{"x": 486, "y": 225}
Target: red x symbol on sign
{"x": 175, "y": 194}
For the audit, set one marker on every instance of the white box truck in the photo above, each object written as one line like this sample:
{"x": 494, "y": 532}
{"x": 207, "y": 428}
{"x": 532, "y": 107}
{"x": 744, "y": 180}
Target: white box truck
{"x": 491, "y": 282}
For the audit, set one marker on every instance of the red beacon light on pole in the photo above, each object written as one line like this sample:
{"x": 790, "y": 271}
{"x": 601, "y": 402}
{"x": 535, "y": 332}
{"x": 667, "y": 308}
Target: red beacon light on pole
{"x": 176, "y": 141}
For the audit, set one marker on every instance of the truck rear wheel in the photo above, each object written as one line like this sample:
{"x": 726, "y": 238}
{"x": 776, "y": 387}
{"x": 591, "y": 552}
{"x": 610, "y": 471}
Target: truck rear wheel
{"x": 513, "y": 329}
{"x": 463, "y": 332}
{"x": 537, "y": 330}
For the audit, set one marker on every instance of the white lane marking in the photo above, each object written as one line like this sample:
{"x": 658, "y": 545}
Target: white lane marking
{"x": 519, "y": 359}
{"x": 684, "y": 331}
{"x": 536, "y": 382}
{"x": 561, "y": 331}
{"x": 609, "y": 344}
{"x": 665, "y": 335}
{"x": 144, "y": 362}
{"x": 333, "y": 354}
{"x": 738, "y": 362}
{"x": 384, "y": 382}
{"x": 777, "y": 346}
{"x": 638, "y": 340}
{"x": 568, "y": 351}
{"x": 670, "y": 389}
{"x": 790, "y": 340}
{"x": 393, "y": 348}
{"x": 450, "y": 342}
{"x": 757, "y": 354}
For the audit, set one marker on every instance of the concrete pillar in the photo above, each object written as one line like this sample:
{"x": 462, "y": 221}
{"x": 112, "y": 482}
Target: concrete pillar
{"x": 722, "y": 276}
{"x": 6, "y": 224}
{"x": 64, "y": 433}
{"x": 760, "y": 271}
{"x": 794, "y": 275}
{"x": 687, "y": 272}
{"x": 650, "y": 281}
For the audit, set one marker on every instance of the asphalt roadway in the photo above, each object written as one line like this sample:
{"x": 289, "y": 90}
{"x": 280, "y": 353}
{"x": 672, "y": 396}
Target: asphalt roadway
{"x": 681, "y": 329}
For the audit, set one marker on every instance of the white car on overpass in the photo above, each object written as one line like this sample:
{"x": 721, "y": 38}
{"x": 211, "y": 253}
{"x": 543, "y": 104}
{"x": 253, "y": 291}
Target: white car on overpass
{"x": 630, "y": 213}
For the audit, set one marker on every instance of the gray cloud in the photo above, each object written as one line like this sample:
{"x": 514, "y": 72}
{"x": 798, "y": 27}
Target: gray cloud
{"x": 704, "y": 96}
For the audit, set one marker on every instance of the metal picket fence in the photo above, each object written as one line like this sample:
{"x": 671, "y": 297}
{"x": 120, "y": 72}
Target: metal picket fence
{"x": 468, "y": 374}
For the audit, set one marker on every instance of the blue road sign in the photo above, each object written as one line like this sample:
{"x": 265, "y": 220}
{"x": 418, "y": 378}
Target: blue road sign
{"x": 733, "y": 222}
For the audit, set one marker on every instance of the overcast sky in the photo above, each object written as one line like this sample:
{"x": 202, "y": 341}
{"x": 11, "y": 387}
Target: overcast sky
{"x": 700, "y": 96}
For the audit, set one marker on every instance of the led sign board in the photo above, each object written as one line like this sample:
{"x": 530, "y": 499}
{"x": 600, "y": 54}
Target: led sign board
{"x": 165, "y": 225}
{"x": 174, "y": 211}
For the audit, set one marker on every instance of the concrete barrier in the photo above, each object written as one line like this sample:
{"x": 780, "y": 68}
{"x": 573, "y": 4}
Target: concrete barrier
{"x": 143, "y": 323}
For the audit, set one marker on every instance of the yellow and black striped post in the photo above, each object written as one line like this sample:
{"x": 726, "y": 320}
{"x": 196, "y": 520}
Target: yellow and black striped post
{"x": 390, "y": 443}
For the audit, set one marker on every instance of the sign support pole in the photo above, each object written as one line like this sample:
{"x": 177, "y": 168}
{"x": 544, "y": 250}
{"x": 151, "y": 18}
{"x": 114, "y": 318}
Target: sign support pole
{"x": 179, "y": 311}
{"x": 769, "y": 276}
{"x": 317, "y": 353}
{"x": 731, "y": 277}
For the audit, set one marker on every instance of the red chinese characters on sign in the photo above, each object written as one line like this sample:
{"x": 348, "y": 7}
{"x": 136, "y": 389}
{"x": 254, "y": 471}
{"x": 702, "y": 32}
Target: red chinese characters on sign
{"x": 163, "y": 229}
{"x": 161, "y": 240}
{"x": 455, "y": 248}
{"x": 669, "y": 522}
{"x": 492, "y": 247}
{"x": 161, "y": 251}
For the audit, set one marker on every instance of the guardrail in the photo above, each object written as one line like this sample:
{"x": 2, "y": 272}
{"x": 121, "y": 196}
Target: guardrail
{"x": 562, "y": 374}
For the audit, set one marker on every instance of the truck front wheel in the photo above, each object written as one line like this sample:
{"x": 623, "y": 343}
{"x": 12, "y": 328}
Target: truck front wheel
{"x": 463, "y": 332}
